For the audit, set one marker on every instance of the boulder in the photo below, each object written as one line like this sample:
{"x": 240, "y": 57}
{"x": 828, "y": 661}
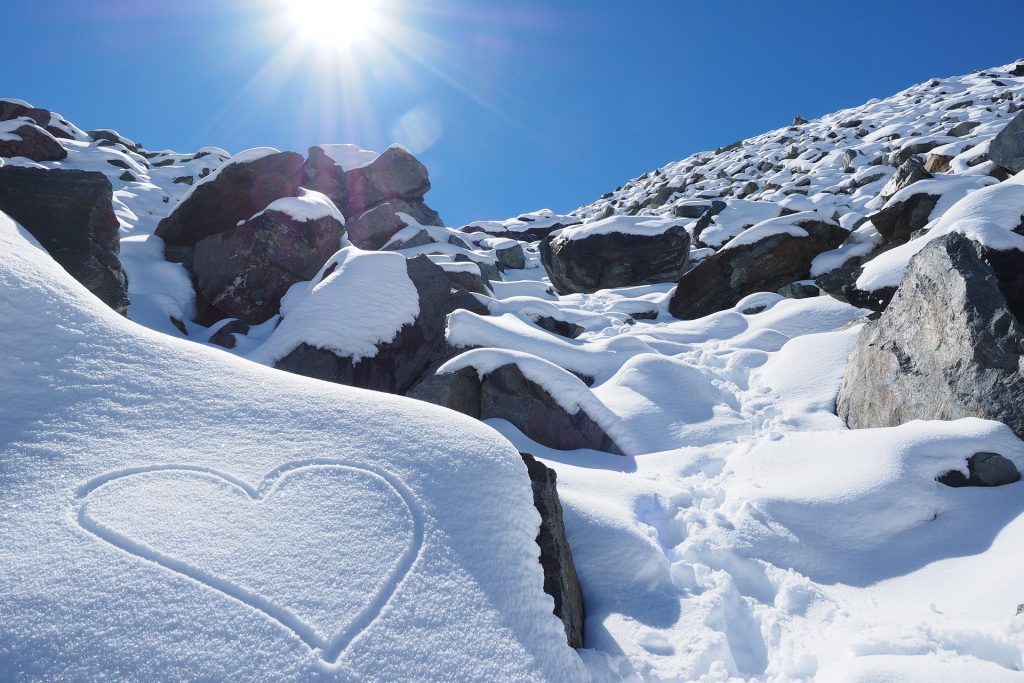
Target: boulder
{"x": 10, "y": 110}
{"x": 696, "y": 209}
{"x": 511, "y": 256}
{"x": 898, "y": 218}
{"x": 560, "y": 580}
{"x": 33, "y": 143}
{"x": 780, "y": 252}
{"x": 244, "y": 271}
{"x": 950, "y": 344}
{"x": 399, "y": 363}
{"x": 372, "y": 229}
{"x": 238, "y": 191}
{"x": 908, "y": 173}
{"x": 622, "y": 251}
{"x": 1007, "y": 148}
{"x": 983, "y": 469}
{"x": 71, "y": 214}
{"x": 112, "y": 136}
{"x": 841, "y": 283}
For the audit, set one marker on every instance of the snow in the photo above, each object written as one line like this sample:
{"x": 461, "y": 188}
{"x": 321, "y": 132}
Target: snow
{"x": 171, "y": 512}
{"x": 626, "y": 225}
{"x": 244, "y": 157}
{"x": 308, "y": 206}
{"x": 784, "y": 225}
{"x": 357, "y": 301}
{"x": 349, "y": 157}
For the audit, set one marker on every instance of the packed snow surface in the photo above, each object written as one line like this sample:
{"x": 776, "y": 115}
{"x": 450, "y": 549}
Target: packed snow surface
{"x": 308, "y": 206}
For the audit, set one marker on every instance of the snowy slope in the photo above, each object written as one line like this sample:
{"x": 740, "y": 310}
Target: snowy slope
{"x": 174, "y": 513}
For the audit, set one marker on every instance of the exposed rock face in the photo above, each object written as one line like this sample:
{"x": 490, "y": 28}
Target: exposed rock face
{"x": 401, "y": 362}
{"x": 1007, "y": 148}
{"x": 983, "y": 469}
{"x": 507, "y": 394}
{"x": 71, "y": 214}
{"x": 767, "y": 265}
{"x": 898, "y": 219}
{"x": 373, "y": 228}
{"x": 239, "y": 191}
{"x": 245, "y": 271}
{"x": 560, "y": 581}
{"x": 950, "y": 344}
{"x": 35, "y": 144}
{"x": 614, "y": 259}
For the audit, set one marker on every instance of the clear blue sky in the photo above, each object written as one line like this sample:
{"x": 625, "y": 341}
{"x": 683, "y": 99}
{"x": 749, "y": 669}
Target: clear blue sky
{"x": 514, "y": 105}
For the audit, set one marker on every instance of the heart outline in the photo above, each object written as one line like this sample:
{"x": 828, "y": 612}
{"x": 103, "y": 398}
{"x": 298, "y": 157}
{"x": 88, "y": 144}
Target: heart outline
{"x": 329, "y": 650}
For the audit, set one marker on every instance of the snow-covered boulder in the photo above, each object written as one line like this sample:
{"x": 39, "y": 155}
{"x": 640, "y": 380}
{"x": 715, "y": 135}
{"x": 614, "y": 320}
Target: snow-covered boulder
{"x": 1007, "y": 148}
{"x": 620, "y": 251}
{"x": 172, "y": 512}
{"x": 374, "y": 227}
{"x": 950, "y": 344}
{"x": 763, "y": 258}
{"x": 908, "y": 173}
{"x": 913, "y": 207}
{"x": 71, "y": 214}
{"x": 112, "y": 137}
{"x": 371, "y": 320}
{"x": 236, "y": 191}
{"x": 243, "y": 272}
{"x": 527, "y": 227}
{"x": 22, "y": 138}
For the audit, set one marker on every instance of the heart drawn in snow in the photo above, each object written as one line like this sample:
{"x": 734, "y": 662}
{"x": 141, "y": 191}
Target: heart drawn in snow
{"x": 319, "y": 546}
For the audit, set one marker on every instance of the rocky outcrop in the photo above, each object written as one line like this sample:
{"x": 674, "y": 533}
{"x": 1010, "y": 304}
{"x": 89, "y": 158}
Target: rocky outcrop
{"x": 71, "y": 214}
{"x": 401, "y": 362}
{"x": 578, "y": 260}
{"x": 243, "y": 272}
{"x": 763, "y": 265}
{"x": 32, "y": 142}
{"x": 560, "y": 580}
{"x": 1007, "y": 148}
{"x": 950, "y": 344}
{"x": 238, "y": 191}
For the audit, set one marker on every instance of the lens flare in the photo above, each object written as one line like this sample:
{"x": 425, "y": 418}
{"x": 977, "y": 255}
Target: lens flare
{"x": 334, "y": 22}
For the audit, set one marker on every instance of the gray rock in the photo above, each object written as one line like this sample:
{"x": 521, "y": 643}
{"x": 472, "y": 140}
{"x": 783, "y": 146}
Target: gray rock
{"x": 799, "y": 290}
{"x": 71, "y": 214}
{"x": 909, "y": 172}
{"x": 614, "y": 259}
{"x": 949, "y": 345}
{"x": 697, "y": 209}
{"x": 767, "y": 265}
{"x": 239, "y": 191}
{"x": 840, "y": 283}
{"x": 983, "y": 469}
{"x": 35, "y": 144}
{"x": 511, "y": 256}
{"x": 225, "y": 334}
{"x": 243, "y": 272}
{"x": 898, "y": 219}
{"x": 560, "y": 580}
{"x": 1007, "y": 148}
{"x": 113, "y": 136}
{"x": 372, "y": 229}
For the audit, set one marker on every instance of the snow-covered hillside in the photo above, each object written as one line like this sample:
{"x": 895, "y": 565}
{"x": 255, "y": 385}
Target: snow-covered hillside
{"x": 752, "y": 489}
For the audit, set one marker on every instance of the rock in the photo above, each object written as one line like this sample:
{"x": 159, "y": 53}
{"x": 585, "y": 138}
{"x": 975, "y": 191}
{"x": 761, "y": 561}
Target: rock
{"x": 984, "y": 469}
{"x": 588, "y": 258}
{"x": 909, "y": 172}
{"x": 10, "y": 110}
{"x": 963, "y": 128}
{"x": 697, "y": 209}
{"x": 799, "y": 120}
{"x": 401, "y": 362}
{"x": 1007, "y": 148}
{"x": 841, "y": 284}
{"x": 563, "y": 328}
{"x": 395, "y": 174}
{"x": 511, "y": 256}
{"x": 560, "y": 580}
{"x": 239, "y": 191}
{"x": 458, "y": 390}
{"x": 898, "y": 219}
{"x": 937, "y": 163}
{"x": 799, "y": 290}
{"x": 71, "y": 214}
{"x": 114, "y": 137}
{"x": 35, "y": 144}
{"x": 948, "y": 346}
{"x": 244, "y": 271}
{"x": 372, "y": 230}
{"x": 766, "y": 265}
{"x": 225, "y": 335}
{"x": 420, "y": 239}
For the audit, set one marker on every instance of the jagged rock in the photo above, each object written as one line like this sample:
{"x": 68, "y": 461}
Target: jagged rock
{"x": 949, "y": 345}
{"x": 587, "y": 259}
{"x": 71, "y": 214}
{"x": 239, "y": 191}
{"x": 909, "y": 172}
{"x": 399, "y": 363}
{"x": 983, "y": 469}
{"x": 35, "y": 144}
{"x": 244, "y": 271}
{"x": 372, "y": 230}
{"x": 1007, "y": 148}
{"x": 764, "y": 265}
{"x": 560, "y": 580}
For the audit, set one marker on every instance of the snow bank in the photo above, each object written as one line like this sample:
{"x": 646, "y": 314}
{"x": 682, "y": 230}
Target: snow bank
{"x": 358, "y": 300}
{"x": 308, "y": 206}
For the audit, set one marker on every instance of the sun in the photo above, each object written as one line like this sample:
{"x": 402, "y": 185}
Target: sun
{"x": 334, "y": 23}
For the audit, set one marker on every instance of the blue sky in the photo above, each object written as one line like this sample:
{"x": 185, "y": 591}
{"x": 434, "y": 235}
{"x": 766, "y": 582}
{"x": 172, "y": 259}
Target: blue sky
{"x": 513, "y": 106}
